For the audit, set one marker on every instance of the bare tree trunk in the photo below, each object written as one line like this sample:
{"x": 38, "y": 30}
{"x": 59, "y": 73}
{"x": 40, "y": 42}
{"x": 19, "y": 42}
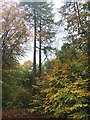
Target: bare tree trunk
{"x": 88, "y": 38}
{"x": 40, "y": 64}
{"x": 34, "y": 56}
{"x": 76, "y": 8}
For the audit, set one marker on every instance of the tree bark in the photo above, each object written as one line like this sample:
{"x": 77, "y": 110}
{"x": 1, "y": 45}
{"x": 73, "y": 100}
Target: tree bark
{"x": 40, "y": 64}
{"x": 34, "y": 56}
{"x": 76, "y": 8}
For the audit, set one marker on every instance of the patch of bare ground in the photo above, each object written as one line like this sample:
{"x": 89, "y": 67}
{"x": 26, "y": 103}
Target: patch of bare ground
{"x": 20, "y": 114}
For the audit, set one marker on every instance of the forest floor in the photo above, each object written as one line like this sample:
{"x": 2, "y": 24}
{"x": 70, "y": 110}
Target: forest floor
{"x": 19, "y": 114}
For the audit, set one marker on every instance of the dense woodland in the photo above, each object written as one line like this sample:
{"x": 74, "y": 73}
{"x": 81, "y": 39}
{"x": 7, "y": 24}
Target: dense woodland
{"x": 58, "y": 86}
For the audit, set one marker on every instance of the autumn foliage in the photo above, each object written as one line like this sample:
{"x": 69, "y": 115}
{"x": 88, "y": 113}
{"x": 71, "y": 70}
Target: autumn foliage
{"x": 63, "y": 88}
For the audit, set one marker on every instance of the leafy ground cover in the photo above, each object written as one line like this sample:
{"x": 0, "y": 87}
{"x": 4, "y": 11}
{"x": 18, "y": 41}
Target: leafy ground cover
{"x": 21, "y": 114}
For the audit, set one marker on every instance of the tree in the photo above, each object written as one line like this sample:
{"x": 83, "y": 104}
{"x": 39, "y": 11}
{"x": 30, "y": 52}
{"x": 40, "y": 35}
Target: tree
{"x": 77, "y": 26}
{"x": 27, "y": 65}
{"x": 13, "y": 37}
{"x": 43, "y": 27}
{"x": 34, "y": 56}
{"x": 14, "y": 33}
{"x": 63, "y": 89}
{"x": 33, "y": 13}
{"x": 45, "y": 31}
{"x": 75, "y": 15}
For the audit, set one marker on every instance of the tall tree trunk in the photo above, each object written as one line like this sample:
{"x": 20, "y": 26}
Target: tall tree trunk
{"x": 40, "y": 64}
{"x": 34, "y": 56}
{"x": 89, "y": 33}
{"x": 76, "y": 8}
